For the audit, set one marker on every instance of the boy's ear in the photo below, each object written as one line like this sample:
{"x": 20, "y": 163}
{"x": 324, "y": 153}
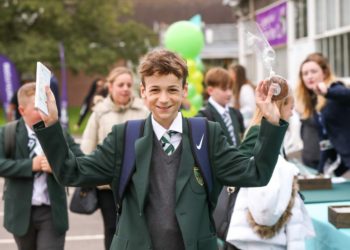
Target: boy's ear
{"x": 210, "y": 90}
{"x": 21, "y": 109}
{"x": 184, "y": 93}
{"x": 142, "y": 91}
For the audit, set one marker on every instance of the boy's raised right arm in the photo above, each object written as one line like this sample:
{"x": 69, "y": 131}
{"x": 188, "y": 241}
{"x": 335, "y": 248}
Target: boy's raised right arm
{"x": 98, "y": 168}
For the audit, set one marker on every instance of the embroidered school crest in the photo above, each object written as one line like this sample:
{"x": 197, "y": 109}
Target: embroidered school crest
{"x": 198, "y": 176}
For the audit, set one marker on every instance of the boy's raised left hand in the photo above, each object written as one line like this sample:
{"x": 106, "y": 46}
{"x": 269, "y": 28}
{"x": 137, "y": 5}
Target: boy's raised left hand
{"x": 263, "y": 100}
{"x": 52, "y": 117}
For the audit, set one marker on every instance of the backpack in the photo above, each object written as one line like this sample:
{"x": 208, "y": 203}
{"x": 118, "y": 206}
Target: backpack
{"x": 198, "y": 128}
{"x": 9, "y": 139}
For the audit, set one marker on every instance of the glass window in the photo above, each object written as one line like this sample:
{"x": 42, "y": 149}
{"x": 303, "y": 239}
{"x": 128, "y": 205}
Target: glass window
{"x": 337, "y": 50}
{"x": 345, "y": 17}
{"x": 300, "y": 18}
{"x": 330, "y": 14}
{"x": 321, "y": 18}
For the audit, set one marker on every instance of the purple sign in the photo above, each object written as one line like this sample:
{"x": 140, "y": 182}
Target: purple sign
{"x": 64, "y": 97}
{"x": 273, "y": 23}
{"x": 9, "y": 80}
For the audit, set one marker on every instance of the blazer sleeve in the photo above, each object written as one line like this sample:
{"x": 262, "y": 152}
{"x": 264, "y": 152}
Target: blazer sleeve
{"x": 97, "y": 168}
{"x": 338, "y": 92}
{"x": 13, "y": 167}
{"x": 249, "y": 141}
{"x": 232, "y": 167}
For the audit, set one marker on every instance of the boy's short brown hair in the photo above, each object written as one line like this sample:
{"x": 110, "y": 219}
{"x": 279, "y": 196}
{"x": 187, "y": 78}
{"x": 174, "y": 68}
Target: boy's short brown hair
{"x": 163, "y": 62}
{"x": 24, "y": 92}
{"x": 218, "y": 77}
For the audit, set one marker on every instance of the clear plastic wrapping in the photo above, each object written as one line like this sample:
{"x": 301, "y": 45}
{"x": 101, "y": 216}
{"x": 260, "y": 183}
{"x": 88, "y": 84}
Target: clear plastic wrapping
{"x": 255, "y": 38}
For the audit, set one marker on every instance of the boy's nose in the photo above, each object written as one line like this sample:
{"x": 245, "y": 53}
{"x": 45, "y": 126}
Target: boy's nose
{"x": 163, "y": 96}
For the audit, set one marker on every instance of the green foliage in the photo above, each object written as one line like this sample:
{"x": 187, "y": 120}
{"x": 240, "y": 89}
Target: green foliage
{"x": 73, "y": 113}
{"x": 95, "y": 34}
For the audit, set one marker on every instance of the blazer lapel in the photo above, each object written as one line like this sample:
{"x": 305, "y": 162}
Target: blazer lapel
{"x": 186, "y": 161}
{"x": 22, "y": 139}
{"x": 143, "y": 148}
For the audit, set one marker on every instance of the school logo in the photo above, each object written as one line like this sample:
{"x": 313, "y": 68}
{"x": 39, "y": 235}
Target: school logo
{"x": 198, "y": 175}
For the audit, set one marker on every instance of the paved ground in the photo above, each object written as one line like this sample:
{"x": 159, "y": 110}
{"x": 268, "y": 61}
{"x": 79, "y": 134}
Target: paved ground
{"x": 86, "y": 231}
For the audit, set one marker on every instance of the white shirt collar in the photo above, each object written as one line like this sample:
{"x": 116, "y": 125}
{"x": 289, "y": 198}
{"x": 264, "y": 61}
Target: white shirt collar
{"x": 30, "y": 131}
{"x": 176, "y": 125}
{"x": 218, "y": 107}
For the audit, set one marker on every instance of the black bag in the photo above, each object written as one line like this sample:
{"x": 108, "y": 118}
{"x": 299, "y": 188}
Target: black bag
{"x": 84, "y": 200}
{"x": 223, "y": 211}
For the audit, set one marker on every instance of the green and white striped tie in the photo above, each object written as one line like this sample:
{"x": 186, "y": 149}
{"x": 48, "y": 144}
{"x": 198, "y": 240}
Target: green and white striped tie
{"x": 228, "y": 122}
{"x": 166, "y": 144}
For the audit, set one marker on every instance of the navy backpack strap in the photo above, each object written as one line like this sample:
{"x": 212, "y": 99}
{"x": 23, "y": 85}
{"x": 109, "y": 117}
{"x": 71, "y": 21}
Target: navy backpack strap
{"x": 133, "y": 131}
{"x": 200, "y": 149}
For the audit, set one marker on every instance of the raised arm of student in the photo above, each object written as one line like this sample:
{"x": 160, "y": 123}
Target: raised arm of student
{"x": 96, "y": 169}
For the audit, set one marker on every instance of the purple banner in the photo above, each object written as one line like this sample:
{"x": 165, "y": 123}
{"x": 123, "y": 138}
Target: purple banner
{"x": 9, "y": 80}
{"x": 64, "y": 98}
{"x": 273, "y": 22}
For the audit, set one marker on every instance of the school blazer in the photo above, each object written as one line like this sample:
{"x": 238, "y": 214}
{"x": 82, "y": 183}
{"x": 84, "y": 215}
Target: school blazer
{"x": 18, "y": 186}
{"x": 237, "y": 122}
{"x": 229, "y": 167}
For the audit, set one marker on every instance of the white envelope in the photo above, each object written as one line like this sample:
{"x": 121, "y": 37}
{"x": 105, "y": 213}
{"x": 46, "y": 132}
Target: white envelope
{"x": 43, "y": 76}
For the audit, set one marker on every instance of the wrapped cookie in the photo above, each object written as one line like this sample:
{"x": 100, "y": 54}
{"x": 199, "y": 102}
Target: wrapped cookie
{"x": 281, "y": 90}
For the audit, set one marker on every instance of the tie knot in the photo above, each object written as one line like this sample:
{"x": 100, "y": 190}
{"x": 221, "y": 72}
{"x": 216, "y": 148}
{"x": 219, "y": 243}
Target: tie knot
{"x": 171, "y": 133}
{"x": 166, "y": 143}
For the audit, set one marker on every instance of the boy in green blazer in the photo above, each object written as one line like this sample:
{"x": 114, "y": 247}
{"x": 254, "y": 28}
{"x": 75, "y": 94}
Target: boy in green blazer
{"x": 219, "y": 88}
{"x": 35, "y": 210}
{"x": 165, "y": 205}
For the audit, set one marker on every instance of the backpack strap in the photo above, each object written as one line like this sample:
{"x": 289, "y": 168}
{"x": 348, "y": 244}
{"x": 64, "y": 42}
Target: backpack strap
{"x": 133, "y": 131}
{"x": 9, "y": 139}
{"x": 200, "y": 150}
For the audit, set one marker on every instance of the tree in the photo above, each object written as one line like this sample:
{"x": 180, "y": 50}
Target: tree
{"x": 95, "y": 34}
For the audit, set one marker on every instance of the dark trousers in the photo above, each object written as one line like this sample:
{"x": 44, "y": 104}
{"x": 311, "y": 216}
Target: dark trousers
{"x": 109, "y": 214}
{"x": 41, "y": 234}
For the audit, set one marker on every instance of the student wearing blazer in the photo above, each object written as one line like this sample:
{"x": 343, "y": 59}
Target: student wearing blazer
{"x": 218, "y": 85}
{"x": 36, "y": 220}
{"x": 165, "y": 205}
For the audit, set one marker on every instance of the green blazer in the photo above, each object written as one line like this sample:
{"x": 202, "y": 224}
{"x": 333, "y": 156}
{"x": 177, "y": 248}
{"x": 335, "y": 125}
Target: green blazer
{"x": 249, "y": 140}
{"x": 229, "y": 167}
{"x": 214, "y": 116}
{"x": 18, "y": 186}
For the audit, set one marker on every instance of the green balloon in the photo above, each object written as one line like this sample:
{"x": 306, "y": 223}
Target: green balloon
{"x": 197, "y": 101}
{"x": 184, "y": 38}
{"x": 191, "y": 90}
{"x": 199, "y": 64}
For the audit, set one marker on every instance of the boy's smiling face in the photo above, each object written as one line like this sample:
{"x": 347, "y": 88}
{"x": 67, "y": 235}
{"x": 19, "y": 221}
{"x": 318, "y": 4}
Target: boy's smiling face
{"x": 163, "y": 95}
